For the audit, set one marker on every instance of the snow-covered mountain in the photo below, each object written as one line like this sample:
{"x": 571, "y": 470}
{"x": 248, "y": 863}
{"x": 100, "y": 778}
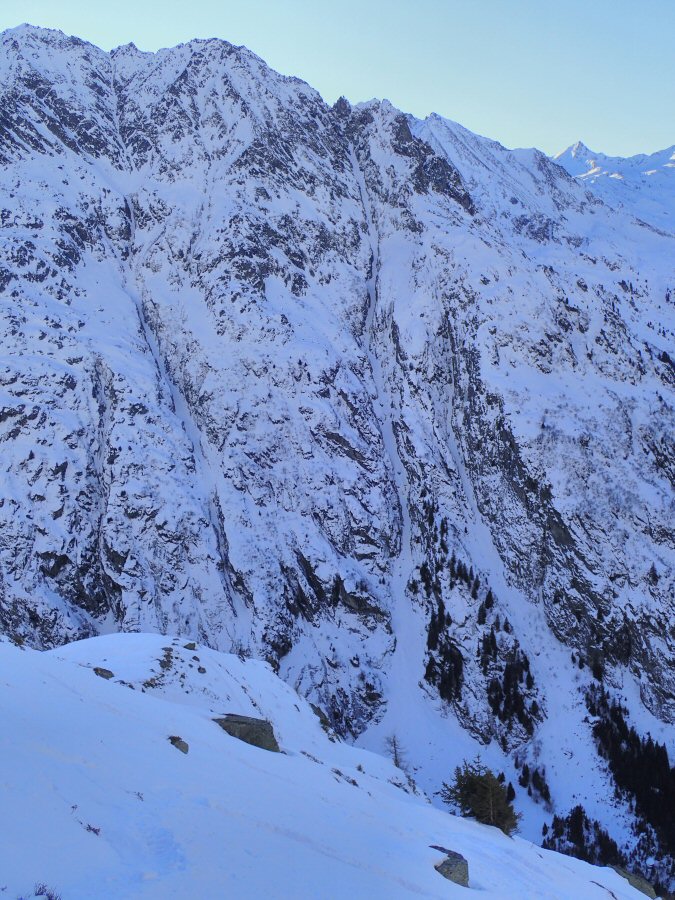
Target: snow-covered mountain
{"x": 213, "y": 816}
{"x": 372, "y": 398}
{"x": 643, "y": 184}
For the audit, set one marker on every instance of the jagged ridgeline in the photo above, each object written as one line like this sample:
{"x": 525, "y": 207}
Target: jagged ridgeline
{"x": 370, "y": 397}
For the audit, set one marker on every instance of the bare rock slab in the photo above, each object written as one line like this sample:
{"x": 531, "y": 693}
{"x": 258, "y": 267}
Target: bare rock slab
{"x": 454, "y": 867}
{"x": 637, "y": 881}
{"x": 103, "y": 673}
{"x": 258, "y": 732}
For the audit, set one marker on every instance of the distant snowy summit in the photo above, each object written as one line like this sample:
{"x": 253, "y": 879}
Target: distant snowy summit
{"x": 644, "y": 184}
{"x": 579, "y": 160}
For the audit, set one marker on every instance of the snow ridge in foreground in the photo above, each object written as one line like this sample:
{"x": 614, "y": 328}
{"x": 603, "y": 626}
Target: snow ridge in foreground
{"x": 102, "y": 805}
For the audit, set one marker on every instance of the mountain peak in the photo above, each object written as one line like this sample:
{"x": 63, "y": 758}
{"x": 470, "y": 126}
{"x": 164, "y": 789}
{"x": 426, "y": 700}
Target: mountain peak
{"x": 578, "y": 150}
{"x": 578, "y": 159}
{"x": 26, "y": 30}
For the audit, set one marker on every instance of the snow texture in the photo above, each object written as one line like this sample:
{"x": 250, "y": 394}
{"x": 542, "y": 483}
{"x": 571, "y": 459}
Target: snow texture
{"x": 94, "y": 778}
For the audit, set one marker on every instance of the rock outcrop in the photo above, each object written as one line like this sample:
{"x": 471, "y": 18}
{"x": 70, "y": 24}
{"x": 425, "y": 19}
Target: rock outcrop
{"x": 258, "y": 732}
{"x": 454, "y": 867}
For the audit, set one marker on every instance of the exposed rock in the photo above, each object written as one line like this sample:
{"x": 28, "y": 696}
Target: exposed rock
{"x": 322, "y": 717}
{"x": 179, "y": 743}
{"x": 454, "y": 867}
{"x": 258, "y": 732}
{"x": 103, "y": 673}
{"x": 637, "y": 881}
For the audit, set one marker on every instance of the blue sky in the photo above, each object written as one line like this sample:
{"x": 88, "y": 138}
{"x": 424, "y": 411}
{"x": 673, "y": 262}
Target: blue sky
{"x": 525, "y": 72}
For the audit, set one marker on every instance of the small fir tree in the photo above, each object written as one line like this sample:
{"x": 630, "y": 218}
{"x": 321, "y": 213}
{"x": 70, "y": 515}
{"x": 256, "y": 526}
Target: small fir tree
{"x": 476, "y": 791}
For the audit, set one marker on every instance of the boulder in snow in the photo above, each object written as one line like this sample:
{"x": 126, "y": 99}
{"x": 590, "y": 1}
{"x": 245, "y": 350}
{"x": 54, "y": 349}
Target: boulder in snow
{"x": 179, "y": 743}
{"x": 103, "y": 673}
{"x": 258, "y": 732}
{"x": 454, "y": 867}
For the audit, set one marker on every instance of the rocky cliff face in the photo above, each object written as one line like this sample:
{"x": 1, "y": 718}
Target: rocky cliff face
{"x": 371, "y": 397}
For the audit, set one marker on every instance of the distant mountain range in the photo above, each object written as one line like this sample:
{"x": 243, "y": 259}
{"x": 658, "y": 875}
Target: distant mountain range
{"x": 643, "y": 184}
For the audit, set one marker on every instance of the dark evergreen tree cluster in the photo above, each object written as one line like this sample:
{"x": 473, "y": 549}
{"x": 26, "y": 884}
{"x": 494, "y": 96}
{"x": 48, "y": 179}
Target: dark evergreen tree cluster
{"x": 443, "y": 537}
{"x": 445, "y": 665}
{"x": 540, "y": 785}
{"x": 460, "y": 573}
{"x": 476, "y": 791}
{"x": 426, "y": 578}
{"x": 438, "y": 623}
{"x": 577, "y": 835}
{"x": 437, "y": 562}
{"x": 507, "y": 692}
{"x": 489, "y": 650}
{"x": 535, "y": 782}
{"x": 640, "y": 766}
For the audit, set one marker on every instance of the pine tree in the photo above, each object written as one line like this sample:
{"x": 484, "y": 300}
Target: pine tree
{"x": 476, "y": 791}
{"x": 493, "y": 642}
{"x": 433, "y": 632}
{"x": 395, "y": 751}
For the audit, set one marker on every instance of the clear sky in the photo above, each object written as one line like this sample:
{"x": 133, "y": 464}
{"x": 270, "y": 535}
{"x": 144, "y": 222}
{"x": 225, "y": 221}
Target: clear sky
{"x": 526, "y": 72}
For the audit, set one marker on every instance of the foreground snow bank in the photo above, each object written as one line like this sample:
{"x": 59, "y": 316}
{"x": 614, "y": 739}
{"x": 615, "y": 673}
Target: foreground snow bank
{"x": 97, "y": 803}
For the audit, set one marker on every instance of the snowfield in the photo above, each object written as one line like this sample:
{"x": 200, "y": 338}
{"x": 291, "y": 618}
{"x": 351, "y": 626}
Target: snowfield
{"x": 97, "y": 803}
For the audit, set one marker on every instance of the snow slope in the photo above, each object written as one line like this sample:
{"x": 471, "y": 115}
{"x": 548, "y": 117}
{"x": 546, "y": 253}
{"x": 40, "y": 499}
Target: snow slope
{"x": 98, "y": 803}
